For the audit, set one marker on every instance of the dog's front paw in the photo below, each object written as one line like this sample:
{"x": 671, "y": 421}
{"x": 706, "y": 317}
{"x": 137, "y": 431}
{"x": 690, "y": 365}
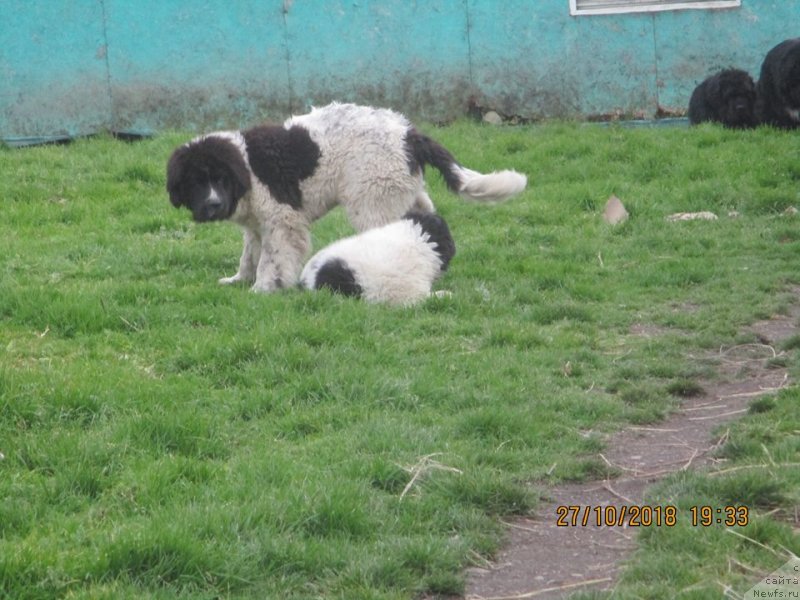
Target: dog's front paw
{"x": 266, "y": 287}
{"x": 235, "y": 279}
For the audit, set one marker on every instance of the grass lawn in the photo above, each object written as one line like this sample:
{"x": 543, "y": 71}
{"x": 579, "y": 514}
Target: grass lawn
{"x": 166, "y": 437}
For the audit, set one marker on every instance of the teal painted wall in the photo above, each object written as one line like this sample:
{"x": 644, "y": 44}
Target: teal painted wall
{"x": 72, "y": 67}
{"x": 53, "y": 75}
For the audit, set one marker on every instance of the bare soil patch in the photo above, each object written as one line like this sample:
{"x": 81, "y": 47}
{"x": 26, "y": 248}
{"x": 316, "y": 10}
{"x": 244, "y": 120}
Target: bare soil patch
{"x": 542, "y": 560}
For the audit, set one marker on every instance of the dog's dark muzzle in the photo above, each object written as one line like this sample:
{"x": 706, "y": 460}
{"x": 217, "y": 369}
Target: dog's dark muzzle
{"x": 210, "y": 210}
{"x": 213, "y": 208}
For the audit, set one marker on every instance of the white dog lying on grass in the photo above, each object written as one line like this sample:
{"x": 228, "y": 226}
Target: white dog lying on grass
{"x": 396, "y": 263}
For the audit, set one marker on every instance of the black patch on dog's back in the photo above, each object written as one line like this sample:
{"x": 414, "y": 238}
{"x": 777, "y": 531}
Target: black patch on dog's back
{"x": 422, "y": 150}
{"x": 281, "y": 158}
{"x": 438, "y": 233}
{"x": 337, "y": 277}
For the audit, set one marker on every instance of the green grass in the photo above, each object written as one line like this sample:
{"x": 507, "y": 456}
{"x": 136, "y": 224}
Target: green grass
{"x": 166, "y": 437}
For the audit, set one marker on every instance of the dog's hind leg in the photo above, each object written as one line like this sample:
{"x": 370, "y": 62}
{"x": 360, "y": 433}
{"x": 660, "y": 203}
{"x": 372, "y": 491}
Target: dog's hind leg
{"x": 248, "y": 263}
{"x": 423, "y": 203}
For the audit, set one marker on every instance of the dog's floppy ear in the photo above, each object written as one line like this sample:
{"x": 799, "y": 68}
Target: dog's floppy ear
{"x": 220, "y": 154}
{"x": 176, "y": 167}
{"x": 240, "y": 174}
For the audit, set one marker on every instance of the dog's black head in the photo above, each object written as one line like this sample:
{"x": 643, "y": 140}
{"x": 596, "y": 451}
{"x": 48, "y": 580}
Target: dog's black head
{"x": 789, "y": 70}
{"x": 735, "y": 93}
{"x": 208, "y": 176}
{"x": 779, "y": 85}
{"x": 438, "y": 233}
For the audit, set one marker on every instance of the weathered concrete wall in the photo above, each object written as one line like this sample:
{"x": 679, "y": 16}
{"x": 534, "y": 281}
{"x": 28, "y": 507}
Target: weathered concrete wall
{"x": 413, "y": 55}
{"x": 196, "y": 64}
{"x": 531, "y": 58}
{"x": 53, "y": 74}
{"x": 71, "y": 67}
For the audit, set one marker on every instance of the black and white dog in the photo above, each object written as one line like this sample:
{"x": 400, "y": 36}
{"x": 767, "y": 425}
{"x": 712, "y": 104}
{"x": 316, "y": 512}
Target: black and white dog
{"x": 727, "y": 97}
{"x": 396, "y": 263}
{"x": 274, "y": 181}
{"x": 778, "y": 87}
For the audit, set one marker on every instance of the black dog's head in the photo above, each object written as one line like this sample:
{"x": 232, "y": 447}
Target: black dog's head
{"x": 789, "y": 70}
{"x": 779, "y": 86}
{"x": 208, "y": 176}
{"x": 735, "y": 93}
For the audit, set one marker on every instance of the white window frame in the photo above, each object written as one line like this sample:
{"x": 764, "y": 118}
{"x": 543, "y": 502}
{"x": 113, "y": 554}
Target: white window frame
{"x": 654, "y": 7}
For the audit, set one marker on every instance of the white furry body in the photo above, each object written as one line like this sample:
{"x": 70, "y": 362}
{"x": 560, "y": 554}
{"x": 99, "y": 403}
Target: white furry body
{"x": 395, "y": 264}
{"x": 364, "y": 167}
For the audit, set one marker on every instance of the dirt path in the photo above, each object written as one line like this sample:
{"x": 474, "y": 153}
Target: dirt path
{"x": 542, "y": 560}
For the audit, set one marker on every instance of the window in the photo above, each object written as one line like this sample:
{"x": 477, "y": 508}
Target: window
{"x": 606, "y": 7}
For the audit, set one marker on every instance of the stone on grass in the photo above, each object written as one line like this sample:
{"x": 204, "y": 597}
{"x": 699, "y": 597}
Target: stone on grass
{"x": 615, "y": 211}
{"x": 492, "y": 118}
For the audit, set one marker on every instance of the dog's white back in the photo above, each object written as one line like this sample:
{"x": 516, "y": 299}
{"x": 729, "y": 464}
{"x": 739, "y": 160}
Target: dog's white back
{"x": 396, "y": 263}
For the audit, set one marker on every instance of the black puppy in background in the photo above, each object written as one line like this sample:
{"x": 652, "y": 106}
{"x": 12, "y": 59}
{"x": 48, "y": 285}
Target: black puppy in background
{"x": 779, "y": 86}
{"x": 728, "y": 97}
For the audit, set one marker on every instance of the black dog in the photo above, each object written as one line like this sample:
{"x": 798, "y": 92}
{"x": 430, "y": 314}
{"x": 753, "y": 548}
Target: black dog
{"x": 728, "y": 97}
{"x": 778, "y": 88}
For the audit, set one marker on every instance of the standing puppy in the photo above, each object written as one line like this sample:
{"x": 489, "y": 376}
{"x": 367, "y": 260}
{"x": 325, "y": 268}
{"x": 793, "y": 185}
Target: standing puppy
{"x": 727, "y": 97}
{"x": 274, "y": 181}
{"x": 778, "y": 87}
{"x": 396, "y": 263}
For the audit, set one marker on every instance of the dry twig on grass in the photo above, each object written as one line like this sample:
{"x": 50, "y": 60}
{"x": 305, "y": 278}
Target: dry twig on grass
{"x": 788, "y": 554}
{"x": 608, "y": 488}
{"x": 423, "y": 466}
{"x": 758, "y": 466}
{"x": 757, "y": 346}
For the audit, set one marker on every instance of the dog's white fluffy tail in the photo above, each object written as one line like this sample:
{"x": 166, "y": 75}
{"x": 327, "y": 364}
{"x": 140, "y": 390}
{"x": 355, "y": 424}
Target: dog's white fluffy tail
{"x": 492, "y": 187}
{"x": 469, "y": 184}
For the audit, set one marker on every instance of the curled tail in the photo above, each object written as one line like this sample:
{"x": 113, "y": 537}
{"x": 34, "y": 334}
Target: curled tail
{"x": 491, "y": 187}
